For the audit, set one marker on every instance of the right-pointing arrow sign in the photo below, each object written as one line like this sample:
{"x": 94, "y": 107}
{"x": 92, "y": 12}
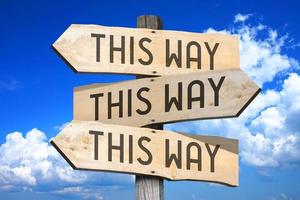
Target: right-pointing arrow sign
{"x": 198, "y": 95}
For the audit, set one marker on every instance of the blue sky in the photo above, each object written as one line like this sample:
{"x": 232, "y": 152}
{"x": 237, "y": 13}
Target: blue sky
{"x": 36, "y": 96}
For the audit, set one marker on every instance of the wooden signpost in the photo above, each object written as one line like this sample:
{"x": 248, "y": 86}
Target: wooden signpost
{"x": 149, "y": 187}
{"x": 200, "y": 79}
{"x": 100, "y": 49}
{"x": 198, "y": 95}
{"x": 174, "y": 156}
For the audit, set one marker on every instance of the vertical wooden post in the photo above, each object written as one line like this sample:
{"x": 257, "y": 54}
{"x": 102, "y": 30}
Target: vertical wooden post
{"x": 149, "y": 187}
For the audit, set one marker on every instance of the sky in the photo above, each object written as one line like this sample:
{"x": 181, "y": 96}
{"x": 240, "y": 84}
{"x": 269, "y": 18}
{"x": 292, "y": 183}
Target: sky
{"x": 36, "y": 96}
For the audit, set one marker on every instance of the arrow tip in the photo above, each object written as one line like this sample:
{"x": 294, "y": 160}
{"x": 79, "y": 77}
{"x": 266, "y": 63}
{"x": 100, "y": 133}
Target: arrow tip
{"x": 63, "y": 58}
{"x": 248, "y": 102}
{"x": 62, "y": 154}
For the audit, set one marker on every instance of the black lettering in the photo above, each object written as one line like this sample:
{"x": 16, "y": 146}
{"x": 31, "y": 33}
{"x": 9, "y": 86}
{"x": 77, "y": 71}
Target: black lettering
{"x": 173, "y": 56}
{"x": 143, "y": 99}
{"x": 117, "y": 104}
{"x": 98, "y": 37}
{"x": 189, "y": 160}
{"x": 212, "y": 156}
{"x": 129, "y": 102}
{"x": 96, "y": 96}
{"x": 176, "y": 101}
{"x": 130, "y": 150}
{"x": 200, "y": 98}
{"x": 211, "y": 53}
{"x": 216, "y": 88}
{"x": 140, "y": 143}
{"x": 190, "y": 59}
{"x": 114, "y": 49}
{"x": 115, "y": 147}
{"x": 96, "y": 138}
{"x": 170, "y": 158}
{"x": 147, "y": 51}
{"x": 131, "y": 50}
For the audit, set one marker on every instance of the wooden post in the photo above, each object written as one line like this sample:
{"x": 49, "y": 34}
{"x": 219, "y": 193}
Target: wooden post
{"x": 149, "y": 187}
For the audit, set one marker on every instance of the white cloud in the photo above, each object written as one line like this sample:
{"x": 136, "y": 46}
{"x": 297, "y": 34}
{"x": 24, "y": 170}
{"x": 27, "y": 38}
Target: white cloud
{"x": 241, "y": 18}
{"x": 280, "y": 137}
{"x": 261, "y": 54}
{"x": 281, "y": 196}
{"x": 269, "y": 120}
{"x": 260, "y": 58}
{"x": 85, "y": 193}
{"x": 30, "y": 163}
{"x": 268, "y": 130}
{"x": 24, "y": 158}
{"x": 9, "y": 85}
{"x": 67, "y": 174}
{"x": 61, "y": 127}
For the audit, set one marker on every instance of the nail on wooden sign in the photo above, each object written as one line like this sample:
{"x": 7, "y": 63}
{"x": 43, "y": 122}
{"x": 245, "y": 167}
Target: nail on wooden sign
{"x": 100, "y": 49}
{"x": 175, "y": 156}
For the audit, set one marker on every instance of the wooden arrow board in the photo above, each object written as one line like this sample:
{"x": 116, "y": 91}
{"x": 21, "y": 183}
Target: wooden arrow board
{"x": 198, "y": 95}
{"x": 100, "y": 49}
{"x": 175, "y": 156}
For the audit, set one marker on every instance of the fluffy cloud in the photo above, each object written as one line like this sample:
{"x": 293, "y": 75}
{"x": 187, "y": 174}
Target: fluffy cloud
{"x": 268, "y": 129}
{"x": 272, "y": 136}
{"x": 241, "y": 18}
{"x": 84, "y": 193}
{"x": 262, "y": 59}
{"x": 24, "y": 158}
{"x": 30, "y": 163}
{"x": 261, "y": 48}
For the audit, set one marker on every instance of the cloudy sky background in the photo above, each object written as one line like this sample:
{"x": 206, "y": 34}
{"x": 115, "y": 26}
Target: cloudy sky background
{"x": 36, "y": 99}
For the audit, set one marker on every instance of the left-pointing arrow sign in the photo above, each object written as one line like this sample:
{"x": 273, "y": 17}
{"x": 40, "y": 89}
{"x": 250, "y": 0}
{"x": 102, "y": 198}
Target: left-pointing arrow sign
{"x": 175, "y": 156}
{"x": 100, "y": 49}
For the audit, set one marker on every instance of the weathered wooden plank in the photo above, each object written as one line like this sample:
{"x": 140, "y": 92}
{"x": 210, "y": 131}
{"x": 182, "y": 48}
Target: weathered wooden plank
{"x": 149, "y": 22}
{"x": 175, "y": 156}
{"x": 198, "y": 95}
{"x": 149, "y": 187}
{"x": 100, "y": 49}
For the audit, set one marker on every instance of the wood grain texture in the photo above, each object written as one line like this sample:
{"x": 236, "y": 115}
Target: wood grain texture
{"x": 149, "y": 22}
{"x": 235, "y": 93}
{"x": 77, "y": 47}
{"x": 77, "y": 146}
{"x": 149, "y": 187}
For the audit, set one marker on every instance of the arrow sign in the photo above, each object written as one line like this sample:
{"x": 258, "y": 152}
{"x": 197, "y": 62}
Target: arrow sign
{"x": 100, "y": 49}
{"x": 198, "y": 95}
{"x": 175, "y": 156}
